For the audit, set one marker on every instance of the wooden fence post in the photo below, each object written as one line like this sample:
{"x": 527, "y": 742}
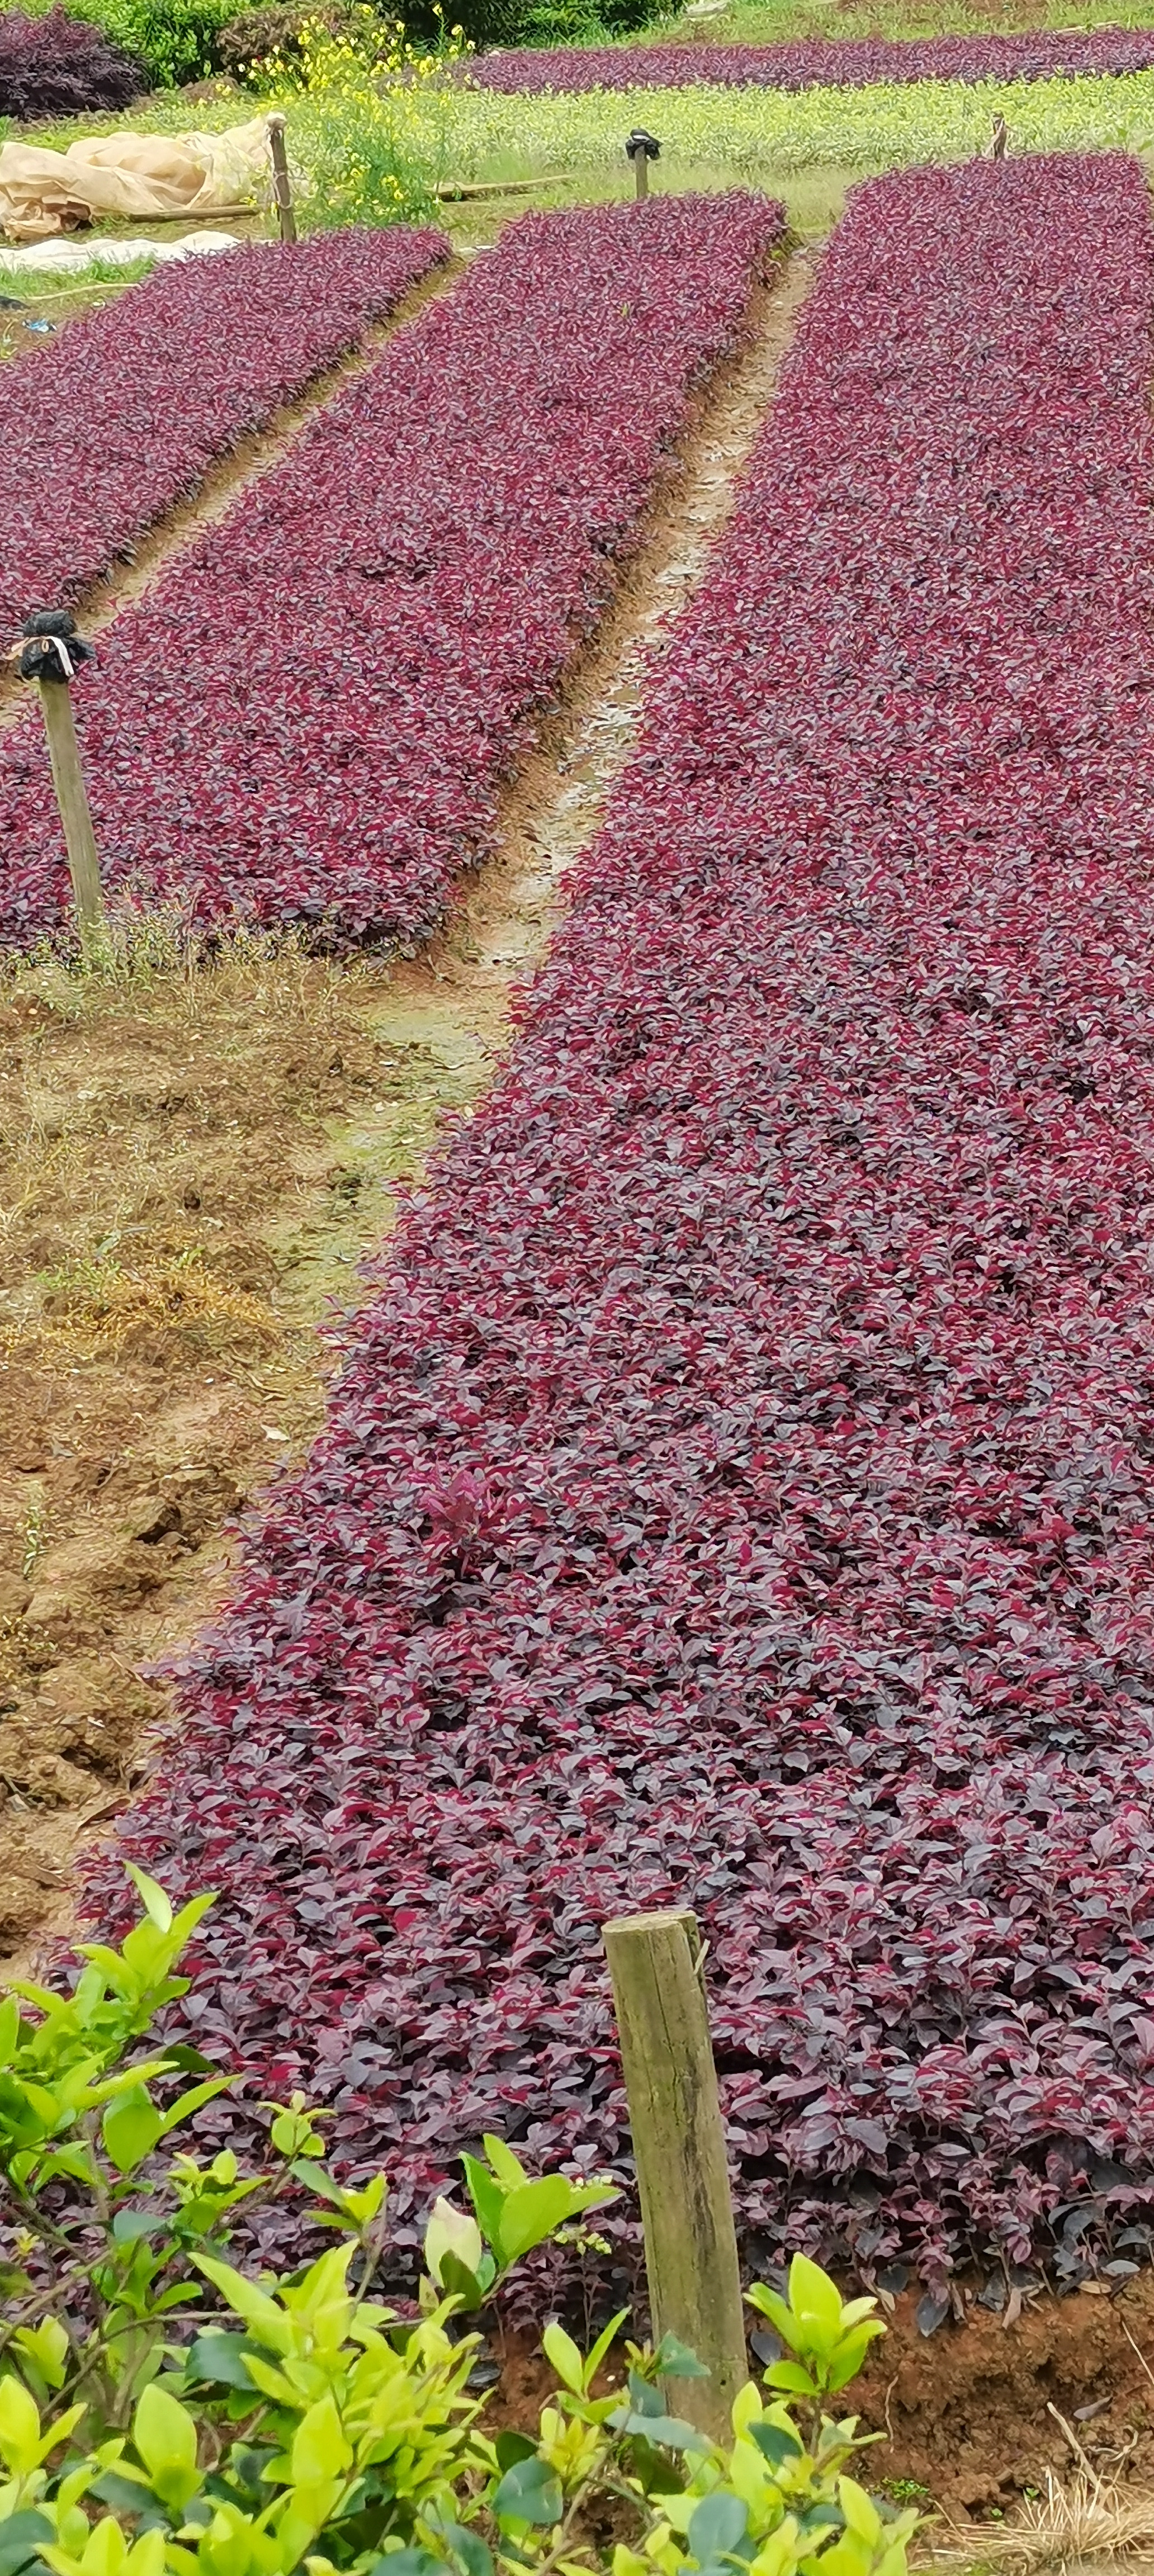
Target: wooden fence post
{"x": 679, "y": 2145}
{"x": 50, "y": 651}
{"x": 75, "y": 815}
{"x": 282, "y": 188}
{"x": 641, "y": 148}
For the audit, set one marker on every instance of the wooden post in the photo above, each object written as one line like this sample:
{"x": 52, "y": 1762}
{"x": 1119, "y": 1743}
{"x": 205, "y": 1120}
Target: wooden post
{"x": 282, "y": 189}
{"x": 679, "y": 2145}
{"x": 72, "y": 798}
{"x": 641, "y": 148}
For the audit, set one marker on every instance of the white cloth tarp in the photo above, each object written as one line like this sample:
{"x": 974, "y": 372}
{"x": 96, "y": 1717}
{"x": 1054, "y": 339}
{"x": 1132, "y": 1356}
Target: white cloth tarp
{"x": 42, "y": 193}
{"x": 70, "y": 257}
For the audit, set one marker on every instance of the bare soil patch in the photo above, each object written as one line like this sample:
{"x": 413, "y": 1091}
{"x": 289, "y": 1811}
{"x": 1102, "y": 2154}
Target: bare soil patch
{"x": 149, "y": 1137}
{"x": 967, "y": 2412}
{"x": 194, "y": 1158}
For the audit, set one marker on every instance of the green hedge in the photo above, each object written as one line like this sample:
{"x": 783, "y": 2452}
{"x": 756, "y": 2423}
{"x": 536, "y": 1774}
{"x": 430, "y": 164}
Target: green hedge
{"x": 176, "y": 38}
{"x": 540, "y": 22}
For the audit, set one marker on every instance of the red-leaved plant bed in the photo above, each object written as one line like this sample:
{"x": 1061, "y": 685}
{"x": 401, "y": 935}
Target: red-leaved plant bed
{"x": 740, "y": 1491}
{"x": 308, "y": 718}
{"x": 55, "y": 65}
{"x": 122, "y": 417}
{"x": 822, "y": 63}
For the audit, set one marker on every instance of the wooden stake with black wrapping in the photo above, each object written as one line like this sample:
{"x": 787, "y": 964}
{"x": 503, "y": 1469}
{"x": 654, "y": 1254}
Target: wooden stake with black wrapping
{"x": 655, "y": 1964}
{"x": 641, "y": 148}
{"x": 282, "y": 187}
{"x": 51, "y": 652}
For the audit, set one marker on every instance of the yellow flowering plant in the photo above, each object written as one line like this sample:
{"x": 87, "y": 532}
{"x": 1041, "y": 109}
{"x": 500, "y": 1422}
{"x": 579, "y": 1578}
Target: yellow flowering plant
{"x": 369, "y": 119}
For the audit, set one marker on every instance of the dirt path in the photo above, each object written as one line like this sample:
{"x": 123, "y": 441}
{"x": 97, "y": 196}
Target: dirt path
{"x": 194, "y": 1162}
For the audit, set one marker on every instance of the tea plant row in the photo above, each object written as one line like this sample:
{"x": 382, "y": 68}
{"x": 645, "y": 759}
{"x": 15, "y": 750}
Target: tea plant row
{"x": 121, "y": 418}
{"x": 308, "y": 718}
{"x": 822, "y": 62}
{"x": 163, "y": 2413}
{"x": 740, "y": 1490}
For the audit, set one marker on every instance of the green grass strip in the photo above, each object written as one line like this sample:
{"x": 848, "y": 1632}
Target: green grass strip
{"x": 752, "y": 131}
{"x": 808, "y": 147}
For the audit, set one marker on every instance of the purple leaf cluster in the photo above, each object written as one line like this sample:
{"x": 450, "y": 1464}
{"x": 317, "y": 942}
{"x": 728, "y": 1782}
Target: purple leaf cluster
{"x": 308, "y": 719}
{"x": 62, "y": 66}
{"x": 815, "y": 62}
{"x": 121, "y": 418}
{"x": 741, "y": 1490}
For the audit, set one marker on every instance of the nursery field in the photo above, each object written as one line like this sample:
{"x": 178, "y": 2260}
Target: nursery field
{"x": 738, "y": 1489}
{"x": 811, "y": 63}
{"x": 193, "y": 1157}
{"x": 307, "y": 718}
{"x": 147, "y": 394}
{"x": 367, "y": 141}
{"x": 713, "y": 132}
{"x": 735, "y": 1489}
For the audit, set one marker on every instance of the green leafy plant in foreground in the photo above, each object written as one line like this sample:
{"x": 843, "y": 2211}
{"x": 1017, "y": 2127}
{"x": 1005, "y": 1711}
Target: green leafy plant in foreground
{"x": 163, "y": 2413}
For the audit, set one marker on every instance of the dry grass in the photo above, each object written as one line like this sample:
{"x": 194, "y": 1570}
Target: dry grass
{"x": 1076, "y": 2525}
{"x": 197, "y": 1142}
{"x": 97, "y": 1308}
{"x": 158, "y": 949}
{"x": 133, "y": 1099}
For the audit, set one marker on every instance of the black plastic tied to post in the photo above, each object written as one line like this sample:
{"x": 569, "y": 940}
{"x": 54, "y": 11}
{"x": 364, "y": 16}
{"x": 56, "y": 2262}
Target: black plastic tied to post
{"x": 50, "y": 650}
{"x": 642, "y": 148}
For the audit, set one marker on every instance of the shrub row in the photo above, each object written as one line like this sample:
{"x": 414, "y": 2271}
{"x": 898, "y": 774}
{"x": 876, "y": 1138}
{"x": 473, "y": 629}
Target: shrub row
{"x": 740, "y": 1491}
{"x": 61, "y": 66}
{"x": 555, "y": 23}
{"x": 308, "y": 718}
{"x": 824, "y": 62}
{"x": 144, "y": 395}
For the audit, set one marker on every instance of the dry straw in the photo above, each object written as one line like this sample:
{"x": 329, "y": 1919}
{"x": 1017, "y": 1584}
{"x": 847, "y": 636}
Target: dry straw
{"x": 1079, "y": 2526}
